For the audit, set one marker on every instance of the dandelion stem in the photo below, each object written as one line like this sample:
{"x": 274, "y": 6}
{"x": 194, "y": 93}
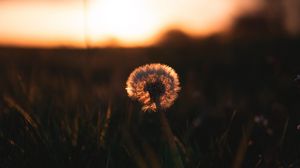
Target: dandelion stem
{"x": 169, "y": 137}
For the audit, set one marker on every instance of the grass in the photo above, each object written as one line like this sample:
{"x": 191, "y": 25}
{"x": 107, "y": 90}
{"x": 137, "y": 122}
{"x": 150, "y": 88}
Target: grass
{"x": 72, "y": 111}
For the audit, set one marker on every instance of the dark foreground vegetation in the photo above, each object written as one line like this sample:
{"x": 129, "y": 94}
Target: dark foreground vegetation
{"x": 239, "y": 106}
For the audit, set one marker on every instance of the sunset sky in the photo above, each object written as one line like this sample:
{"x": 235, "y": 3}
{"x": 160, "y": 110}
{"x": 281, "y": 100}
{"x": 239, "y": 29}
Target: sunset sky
{"x": 50, "y": 23}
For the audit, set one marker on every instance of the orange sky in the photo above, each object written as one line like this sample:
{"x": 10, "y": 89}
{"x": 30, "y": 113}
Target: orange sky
{"x": 50, "y": 23}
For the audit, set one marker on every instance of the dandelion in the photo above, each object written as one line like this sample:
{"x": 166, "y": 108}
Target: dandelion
{"x": 154, "y": 85}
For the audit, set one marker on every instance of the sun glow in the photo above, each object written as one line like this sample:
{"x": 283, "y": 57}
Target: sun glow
{"x": 125, "y": 23}
{"x": 130, "y": 21}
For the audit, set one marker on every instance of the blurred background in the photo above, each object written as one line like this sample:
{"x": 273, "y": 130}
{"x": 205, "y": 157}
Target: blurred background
{"x": 126, "y": 23}
{"x": 64, "y": 65}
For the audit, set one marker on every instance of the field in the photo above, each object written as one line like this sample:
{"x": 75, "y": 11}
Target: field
{"x": 67, "y": 107}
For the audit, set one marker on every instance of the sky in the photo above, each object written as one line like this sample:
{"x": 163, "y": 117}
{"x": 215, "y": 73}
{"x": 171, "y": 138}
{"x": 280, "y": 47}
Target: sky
{"x": 51, "y": 23}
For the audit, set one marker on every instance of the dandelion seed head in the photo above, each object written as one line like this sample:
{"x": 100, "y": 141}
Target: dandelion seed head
{"x": 153, "y": 85}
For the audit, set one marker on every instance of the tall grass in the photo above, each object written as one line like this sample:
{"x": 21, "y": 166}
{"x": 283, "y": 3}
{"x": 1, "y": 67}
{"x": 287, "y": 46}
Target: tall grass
{"x": 69, "y": 116}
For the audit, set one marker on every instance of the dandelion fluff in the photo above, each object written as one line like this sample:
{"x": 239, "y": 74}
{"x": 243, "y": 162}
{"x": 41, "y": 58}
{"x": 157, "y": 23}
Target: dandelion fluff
{"x": 153, "y": 85}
